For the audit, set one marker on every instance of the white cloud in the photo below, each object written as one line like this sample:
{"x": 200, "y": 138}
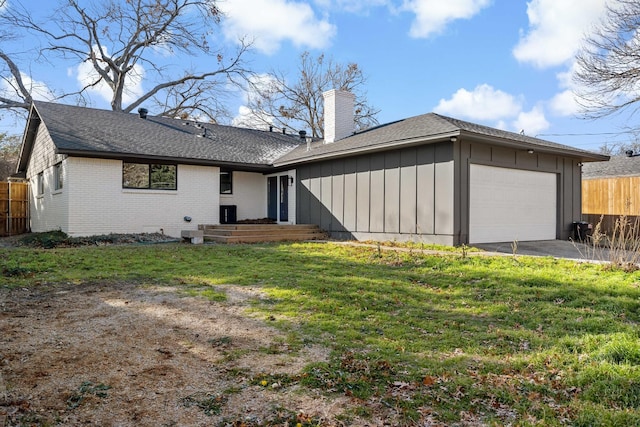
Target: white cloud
{"x": 38, "y": 90}
{"x": 502, "y": 110}
{"x": 564, "y": 103}
{"x": 86, "y": 75}
{"x": 352, "y": 6}
{"x": 532, "y": 122}
{"x": 269, "y": 24}
{"x": 432, "y": 16}
{"x": 262, "y": 83}
{"x": 484, "y": 103}
{"x": 556, "y": 30}
{"x": 248, "y": 118}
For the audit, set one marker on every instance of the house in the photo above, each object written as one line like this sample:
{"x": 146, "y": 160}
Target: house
{"x": 430, "y": 178}
{"x": 611, "y": 189}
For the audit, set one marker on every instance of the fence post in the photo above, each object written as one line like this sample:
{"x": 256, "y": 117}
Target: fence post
{"x": 9, "y": 223}
{"x": 14, "y": 199}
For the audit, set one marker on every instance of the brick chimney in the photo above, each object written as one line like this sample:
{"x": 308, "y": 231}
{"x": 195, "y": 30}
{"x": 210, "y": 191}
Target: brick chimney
{"x": 338, "y": 115}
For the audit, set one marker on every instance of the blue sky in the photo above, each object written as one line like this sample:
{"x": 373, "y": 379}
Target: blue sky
{"x": 503, "y": 63}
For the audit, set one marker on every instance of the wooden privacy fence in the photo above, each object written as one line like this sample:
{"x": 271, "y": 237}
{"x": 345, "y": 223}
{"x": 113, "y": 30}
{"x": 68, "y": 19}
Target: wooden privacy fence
{"x": 14, "y": 208}
{"x": 604, "y": 200}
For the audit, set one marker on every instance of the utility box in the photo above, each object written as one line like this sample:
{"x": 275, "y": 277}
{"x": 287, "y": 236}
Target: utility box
{"x": 582, "y": 230}
{"x": 228, "y": 214}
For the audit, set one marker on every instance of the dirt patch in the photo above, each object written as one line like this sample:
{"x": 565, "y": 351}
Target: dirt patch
{"x": 58, "y": 239}
{"x": 127, "y": 355}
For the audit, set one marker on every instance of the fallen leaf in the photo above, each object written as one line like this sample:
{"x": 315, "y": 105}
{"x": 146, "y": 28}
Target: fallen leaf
{"x": 428, "y": 380}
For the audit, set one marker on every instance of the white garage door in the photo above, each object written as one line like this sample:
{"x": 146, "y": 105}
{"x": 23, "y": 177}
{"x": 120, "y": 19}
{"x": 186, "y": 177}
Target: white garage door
{"x": 508, "y": 204}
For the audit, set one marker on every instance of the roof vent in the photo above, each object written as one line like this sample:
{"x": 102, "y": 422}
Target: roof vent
{"x": 203, "y": 134}
{"x": 284, "y": 131}
{"x": 143, "y": 112}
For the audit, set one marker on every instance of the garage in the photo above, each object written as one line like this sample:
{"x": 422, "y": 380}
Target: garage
{"x": 507, "y": 205}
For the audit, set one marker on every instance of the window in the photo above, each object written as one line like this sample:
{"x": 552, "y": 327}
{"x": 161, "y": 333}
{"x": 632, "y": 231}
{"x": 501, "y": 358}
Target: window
{"x": 58, "y": 179}
{"x": 148, "y": 175}
{"x": 40, "y": 184}
{"x": 226, "y": 181}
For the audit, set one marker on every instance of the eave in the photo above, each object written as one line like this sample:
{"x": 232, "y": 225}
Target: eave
{"x": 459, "y": 135}
{"x": 246, "y": 167}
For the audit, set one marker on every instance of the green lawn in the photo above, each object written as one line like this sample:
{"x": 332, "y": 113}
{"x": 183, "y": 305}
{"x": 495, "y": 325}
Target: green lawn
{"x": 506, "y": 340}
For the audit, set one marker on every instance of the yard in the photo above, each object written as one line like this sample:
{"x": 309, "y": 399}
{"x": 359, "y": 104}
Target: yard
{"x": 313, "y": 334}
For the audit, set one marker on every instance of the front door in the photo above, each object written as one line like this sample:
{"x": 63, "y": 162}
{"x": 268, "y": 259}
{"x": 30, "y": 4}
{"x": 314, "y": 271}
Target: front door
{"x": 284, "y": 198}
{"x": 272, "y": 198}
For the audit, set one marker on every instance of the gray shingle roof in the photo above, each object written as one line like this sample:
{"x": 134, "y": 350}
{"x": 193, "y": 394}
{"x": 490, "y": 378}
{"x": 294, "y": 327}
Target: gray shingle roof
{"x": 101, "y": 133}
{"x": 88, "y": 131}
{"x": 426, "y": 127}
{"x": 616, "y": 166}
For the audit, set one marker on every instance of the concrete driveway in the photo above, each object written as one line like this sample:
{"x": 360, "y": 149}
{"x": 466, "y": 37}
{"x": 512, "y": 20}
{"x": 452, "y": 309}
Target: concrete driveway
{"x": 553, "y": 248}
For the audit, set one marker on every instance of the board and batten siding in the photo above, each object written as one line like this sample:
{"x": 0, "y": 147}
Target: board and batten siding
{"x": 419, "y": 193}
{"x": 383, "y": 196}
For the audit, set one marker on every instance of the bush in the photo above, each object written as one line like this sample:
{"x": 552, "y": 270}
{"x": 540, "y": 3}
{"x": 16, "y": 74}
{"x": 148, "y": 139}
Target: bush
{"x": 47, "y": 240}
{"x": 621, "y": 248}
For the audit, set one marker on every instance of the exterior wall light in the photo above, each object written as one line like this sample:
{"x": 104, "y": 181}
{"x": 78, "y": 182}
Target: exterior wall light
{"x": 530, "y": 151}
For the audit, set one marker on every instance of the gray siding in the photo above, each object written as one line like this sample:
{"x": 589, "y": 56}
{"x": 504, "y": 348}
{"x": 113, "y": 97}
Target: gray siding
{"x": 566, "y": 168}
{"x": 385, "y": 196}
{"x": 418, "y": 193}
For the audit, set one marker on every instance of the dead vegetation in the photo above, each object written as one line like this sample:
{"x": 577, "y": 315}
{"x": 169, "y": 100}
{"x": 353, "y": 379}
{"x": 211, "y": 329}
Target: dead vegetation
{"x": 619, "y": 247}
{"x": 140, "y": 356}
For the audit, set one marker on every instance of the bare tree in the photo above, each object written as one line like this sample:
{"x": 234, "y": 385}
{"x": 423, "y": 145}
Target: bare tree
{"x": 9, "y": 152}
{"x": 18, "y": 94}
{"x": 203, "y": 100}
{"x": 274, "y": 100}
{"x": 123, "y": 39}
{"x": 11, "y": 75}
{"x": 608, "y": 66}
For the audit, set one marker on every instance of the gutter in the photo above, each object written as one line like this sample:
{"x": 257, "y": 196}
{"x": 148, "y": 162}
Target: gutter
{"x": 31, "y": 129}
{"x": 582, "y": 156}
{"x": 245, "y": 167}
{"x": 348, "y": 152}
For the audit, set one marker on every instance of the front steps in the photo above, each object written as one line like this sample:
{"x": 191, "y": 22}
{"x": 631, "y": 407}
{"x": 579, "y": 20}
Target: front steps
{"x": 254, "y": 233}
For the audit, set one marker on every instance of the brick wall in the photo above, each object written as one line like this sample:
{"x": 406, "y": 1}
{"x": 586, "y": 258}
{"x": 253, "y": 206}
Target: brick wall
{"x": 249, "y": 195}
{"x": 99, "y": 204}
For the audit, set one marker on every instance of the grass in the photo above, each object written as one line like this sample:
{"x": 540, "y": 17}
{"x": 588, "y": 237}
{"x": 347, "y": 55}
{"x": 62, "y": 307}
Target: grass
{"x": 500, "y": 340}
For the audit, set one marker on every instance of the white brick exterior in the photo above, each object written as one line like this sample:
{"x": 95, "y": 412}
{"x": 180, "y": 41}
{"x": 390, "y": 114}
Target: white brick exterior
{"x": 93, "y": 201}
{"x": 249, "y": 195}
{"x": 99, "y": 204}
{"x": 338, "y": 115}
